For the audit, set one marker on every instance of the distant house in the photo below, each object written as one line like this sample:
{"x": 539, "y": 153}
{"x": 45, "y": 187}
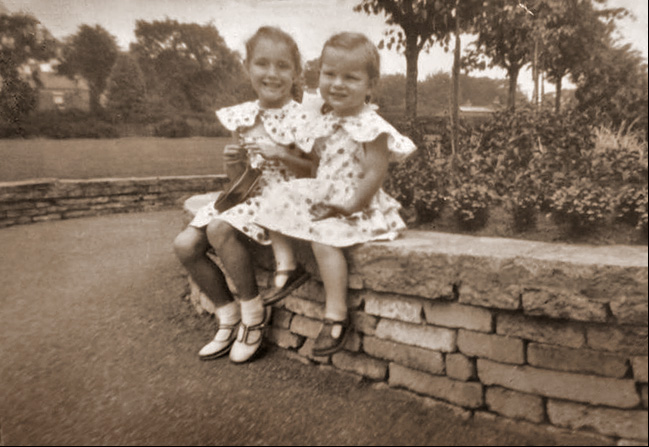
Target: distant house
{"x": 62, "y": 93}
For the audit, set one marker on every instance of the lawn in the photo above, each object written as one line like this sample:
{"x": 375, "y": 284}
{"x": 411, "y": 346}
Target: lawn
{"x": 121, "y": 157}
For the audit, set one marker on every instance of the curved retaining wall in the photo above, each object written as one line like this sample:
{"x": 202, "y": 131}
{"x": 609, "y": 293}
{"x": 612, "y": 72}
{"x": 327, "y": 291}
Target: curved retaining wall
{"x": 50, "y": 199}
{"x": 548, "y": 334}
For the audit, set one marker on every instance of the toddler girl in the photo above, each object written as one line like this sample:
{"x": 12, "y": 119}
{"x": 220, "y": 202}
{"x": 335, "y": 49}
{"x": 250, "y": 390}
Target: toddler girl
{"x": 344, "y": 204}
{"x": 263, "y": 134}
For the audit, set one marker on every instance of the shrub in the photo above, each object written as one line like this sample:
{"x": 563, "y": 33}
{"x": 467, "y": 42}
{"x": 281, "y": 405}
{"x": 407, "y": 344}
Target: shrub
{"x": 581, "y": 206}
{"x": 69, "y": 124}
{"x": 470, "y": 204}
{"x": 631, "y": 206}
{"x": 172, "y": 128}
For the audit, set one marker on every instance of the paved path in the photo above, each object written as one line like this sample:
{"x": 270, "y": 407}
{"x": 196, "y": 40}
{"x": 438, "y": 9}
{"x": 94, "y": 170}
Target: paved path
{"x": 97, "y": 348}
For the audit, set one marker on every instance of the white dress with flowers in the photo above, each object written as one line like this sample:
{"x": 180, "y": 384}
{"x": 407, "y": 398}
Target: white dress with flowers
{"x": 278, "y": 125}
{"x": 286, "y": 207}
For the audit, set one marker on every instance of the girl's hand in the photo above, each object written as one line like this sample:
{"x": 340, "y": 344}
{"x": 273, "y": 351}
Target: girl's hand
{"x": 268, "y": 150}
{"x": 321, "y": 211}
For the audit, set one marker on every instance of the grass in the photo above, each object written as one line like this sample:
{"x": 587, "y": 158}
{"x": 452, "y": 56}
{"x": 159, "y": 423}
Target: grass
{"x": 119, "y": 158}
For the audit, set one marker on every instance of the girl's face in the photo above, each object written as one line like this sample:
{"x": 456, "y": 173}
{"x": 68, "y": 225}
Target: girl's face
{"x": 272, "y": 72}
{"x": 344, "y": 81}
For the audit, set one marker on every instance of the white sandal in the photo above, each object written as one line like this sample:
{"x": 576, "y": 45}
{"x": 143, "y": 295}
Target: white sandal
{"x": 220, "y": 346}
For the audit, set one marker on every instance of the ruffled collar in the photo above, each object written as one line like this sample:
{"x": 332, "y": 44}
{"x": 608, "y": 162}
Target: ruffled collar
{"x": 363, "y": 127}
{"x": 278, "y": 122}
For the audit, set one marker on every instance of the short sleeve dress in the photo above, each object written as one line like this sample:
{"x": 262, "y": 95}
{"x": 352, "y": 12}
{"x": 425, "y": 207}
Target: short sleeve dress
{"x": 286, "y": 207}
{"x": 279, "y": 126}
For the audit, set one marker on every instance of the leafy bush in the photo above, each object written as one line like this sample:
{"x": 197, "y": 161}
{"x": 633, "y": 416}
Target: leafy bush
{"x": 581, "y": 206}
{"x": 631, "y": 206}
{"x": 470, "y": 204}
{"x": 172, "y": 128}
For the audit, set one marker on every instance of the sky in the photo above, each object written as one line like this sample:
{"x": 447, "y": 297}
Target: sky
{"x": 310, "y": 22}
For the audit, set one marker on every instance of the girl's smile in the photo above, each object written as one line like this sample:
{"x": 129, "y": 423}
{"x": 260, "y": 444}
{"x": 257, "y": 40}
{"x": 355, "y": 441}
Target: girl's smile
{"x": 272, "y": 73}
{"x": 344, "y": 81}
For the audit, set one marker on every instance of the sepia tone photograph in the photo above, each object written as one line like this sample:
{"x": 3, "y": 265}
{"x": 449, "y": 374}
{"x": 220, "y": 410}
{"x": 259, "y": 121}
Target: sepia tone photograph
{"x": 323, "y": 222}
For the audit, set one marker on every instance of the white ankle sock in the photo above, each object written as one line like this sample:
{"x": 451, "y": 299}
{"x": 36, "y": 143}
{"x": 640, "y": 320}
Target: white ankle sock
{"x": 252, "y": 311}
{"x": 228, "y": 314}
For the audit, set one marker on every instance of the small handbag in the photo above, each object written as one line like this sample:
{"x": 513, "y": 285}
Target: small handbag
{"x": 239, "y": 189}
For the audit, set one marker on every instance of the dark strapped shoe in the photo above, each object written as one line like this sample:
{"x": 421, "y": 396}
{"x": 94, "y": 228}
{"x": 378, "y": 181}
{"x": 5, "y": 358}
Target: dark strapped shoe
{"x": 326, "y": 343}
{"x": 296, "y": 278}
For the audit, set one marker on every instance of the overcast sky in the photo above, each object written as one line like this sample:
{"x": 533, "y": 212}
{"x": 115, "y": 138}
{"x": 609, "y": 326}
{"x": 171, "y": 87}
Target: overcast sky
{"x": 309, "y": 21}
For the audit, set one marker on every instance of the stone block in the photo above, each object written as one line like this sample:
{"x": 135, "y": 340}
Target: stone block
{"x": 489, "y": 346}
{"x": 577, "y": 360}
{"x": 627, "y": 339}
{"x": 284, "y": 339}
{"x": 555, "y": 333}
{"x": 558, "y": 304}
{"x": 305, "y": 326}
{"x": 630, "y": 309}
{"x": 360, "y": 364}
{"x": 494, "y": 296}
{"x": 458, "y": 316}
{"x": 393, "y": 306}
{"x": 282, "y": 318}
{"x": 311, "y": 290}
{"x": 561, "y": 385}
{"x": 608, "y": 421}
{"x": 304, "y": 307}
{"x": 353, "y": 342}
{"x": 465, "y": 394}
{"x": 410, "y": 356}
{"x": 515, "y": 405}
{"x": 429, "y": 337}
{"x": 643, "y": 394}
{"x": 364, "y": 323}
{"x": 639, "y": 365}
{"x": 460, "y": 367}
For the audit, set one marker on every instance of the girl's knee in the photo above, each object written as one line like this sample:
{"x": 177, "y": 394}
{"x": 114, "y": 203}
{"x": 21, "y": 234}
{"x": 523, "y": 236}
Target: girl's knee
{"x": 189, "y": 245}
{"x": 219, "y": 233}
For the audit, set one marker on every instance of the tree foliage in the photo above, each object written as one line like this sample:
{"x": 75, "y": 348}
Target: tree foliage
{"x": 22, "y": 40}
{"x": 415, "y": 26}
{"x": 126, "y": 93}
{"x": 188, "y": 66}
{"x": 90, "y": 53}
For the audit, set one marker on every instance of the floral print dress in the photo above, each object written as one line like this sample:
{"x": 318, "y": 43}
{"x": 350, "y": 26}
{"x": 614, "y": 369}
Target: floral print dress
{"x": 252, "y": 122}
{"x": 286, "y": 207}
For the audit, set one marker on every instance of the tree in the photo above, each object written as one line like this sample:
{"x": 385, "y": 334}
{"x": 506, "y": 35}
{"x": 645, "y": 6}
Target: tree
{"x": 126, "y": 97}
{"x": 612, "y": 87}
{"x": 22, "y": 39}
{"x": 570, "y": 30}
{"x": 188, "y": 66}
{"x": 91, "y": 54}
{"x": 505, "y": 36}
{"x": 421, "y": 23}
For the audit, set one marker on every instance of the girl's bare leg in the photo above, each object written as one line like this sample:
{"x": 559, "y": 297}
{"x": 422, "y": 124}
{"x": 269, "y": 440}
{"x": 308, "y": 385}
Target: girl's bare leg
{"x": 191, "y": 247}
{"x": 333, "y": 271}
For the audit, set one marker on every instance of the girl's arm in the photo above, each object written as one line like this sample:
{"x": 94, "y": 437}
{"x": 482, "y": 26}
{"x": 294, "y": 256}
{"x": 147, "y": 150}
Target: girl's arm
{"x": 234, "y": 158}
{"x": 375, "y": 166}
{"x": 295, "y": 160}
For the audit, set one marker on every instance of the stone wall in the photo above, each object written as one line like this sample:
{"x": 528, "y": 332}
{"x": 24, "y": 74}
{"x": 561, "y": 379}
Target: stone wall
{"x": 546, "y": 334}
{"x": 49, "y": 199}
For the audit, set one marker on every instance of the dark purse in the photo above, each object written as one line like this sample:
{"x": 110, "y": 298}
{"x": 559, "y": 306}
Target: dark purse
{"x": 239, "y": 189}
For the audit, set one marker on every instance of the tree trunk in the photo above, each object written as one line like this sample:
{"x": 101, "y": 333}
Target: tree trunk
{"x": 455, "y": 95}
{"x": 513, "y": 80}
{"x": 557, "y": 96}
{"x": 535, "y": 75}
{"x": 412, "y": 56}
{"x": 94, "y": 99}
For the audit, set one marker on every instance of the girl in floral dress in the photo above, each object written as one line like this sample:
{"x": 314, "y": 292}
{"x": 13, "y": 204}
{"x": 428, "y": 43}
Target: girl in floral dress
{"x": 344, "y": 204}
{"x": 264, "y": 136}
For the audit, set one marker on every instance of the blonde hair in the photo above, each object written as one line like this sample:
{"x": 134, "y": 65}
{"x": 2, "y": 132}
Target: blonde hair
{"x": 353, "y": 41}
